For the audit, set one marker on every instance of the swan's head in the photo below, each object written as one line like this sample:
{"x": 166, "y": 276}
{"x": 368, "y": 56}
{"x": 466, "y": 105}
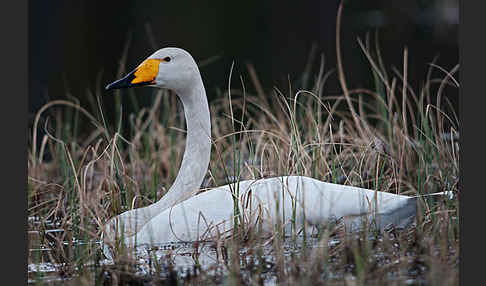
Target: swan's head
{"x": 170, "y": 68}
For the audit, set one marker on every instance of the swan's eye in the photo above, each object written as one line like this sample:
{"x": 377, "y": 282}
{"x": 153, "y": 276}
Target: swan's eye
{"x": 167, "y": 59}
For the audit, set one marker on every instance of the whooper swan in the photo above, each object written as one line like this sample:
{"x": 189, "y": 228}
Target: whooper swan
{"x": 181, "y": 215}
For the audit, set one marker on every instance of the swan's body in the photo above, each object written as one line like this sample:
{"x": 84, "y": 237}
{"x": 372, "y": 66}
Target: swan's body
{"x": 272, "y": 201}
{"x": 180, "y": 215}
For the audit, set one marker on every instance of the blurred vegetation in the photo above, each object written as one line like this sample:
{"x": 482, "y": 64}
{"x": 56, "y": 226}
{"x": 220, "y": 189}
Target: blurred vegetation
{"x": 77, "y": 45}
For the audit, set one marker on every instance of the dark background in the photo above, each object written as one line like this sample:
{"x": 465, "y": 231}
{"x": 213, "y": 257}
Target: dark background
{"x": 72, "y": 43}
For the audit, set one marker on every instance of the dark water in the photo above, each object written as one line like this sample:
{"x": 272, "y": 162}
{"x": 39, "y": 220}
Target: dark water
{"x": 184, "y": 256}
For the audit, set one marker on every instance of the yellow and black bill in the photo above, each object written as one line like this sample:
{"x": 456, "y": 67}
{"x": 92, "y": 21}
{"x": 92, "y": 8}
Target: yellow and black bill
{"x": 143, "y": 75}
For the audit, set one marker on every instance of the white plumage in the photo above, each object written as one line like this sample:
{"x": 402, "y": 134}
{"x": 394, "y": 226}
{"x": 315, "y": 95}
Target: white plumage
{"x": 270, "y": 201}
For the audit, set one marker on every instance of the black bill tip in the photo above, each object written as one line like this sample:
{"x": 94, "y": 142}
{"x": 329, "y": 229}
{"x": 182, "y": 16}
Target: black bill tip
{"x": 122, "y": 83}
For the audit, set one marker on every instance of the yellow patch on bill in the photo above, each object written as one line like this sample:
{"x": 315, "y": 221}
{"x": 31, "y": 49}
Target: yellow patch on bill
{"x": 146, "y": 71}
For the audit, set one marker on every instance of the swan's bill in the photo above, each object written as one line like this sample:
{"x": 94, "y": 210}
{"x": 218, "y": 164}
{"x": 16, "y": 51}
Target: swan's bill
{"x": 143, "y": 75}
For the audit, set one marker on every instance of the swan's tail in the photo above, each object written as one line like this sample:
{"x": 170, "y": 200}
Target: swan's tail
{"x": 400, "y": 217}
{"x": 405, "y": 215}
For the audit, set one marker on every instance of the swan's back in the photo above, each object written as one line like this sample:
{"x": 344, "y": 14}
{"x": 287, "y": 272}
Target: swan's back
{"x": 317, "y": 202}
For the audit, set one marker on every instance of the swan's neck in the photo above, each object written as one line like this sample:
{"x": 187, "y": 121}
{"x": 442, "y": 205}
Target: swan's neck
{"x": 198, "y": 146}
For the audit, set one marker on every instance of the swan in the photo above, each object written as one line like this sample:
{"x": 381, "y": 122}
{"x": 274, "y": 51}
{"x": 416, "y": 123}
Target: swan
{"x": 290, "y": 201}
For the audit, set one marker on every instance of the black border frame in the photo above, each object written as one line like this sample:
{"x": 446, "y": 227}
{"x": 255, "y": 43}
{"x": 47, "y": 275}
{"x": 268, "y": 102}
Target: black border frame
{"x": 13, "y": 116}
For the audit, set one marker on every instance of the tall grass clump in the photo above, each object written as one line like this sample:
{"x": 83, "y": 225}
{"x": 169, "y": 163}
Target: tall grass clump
{"x": 389, "y": 137}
